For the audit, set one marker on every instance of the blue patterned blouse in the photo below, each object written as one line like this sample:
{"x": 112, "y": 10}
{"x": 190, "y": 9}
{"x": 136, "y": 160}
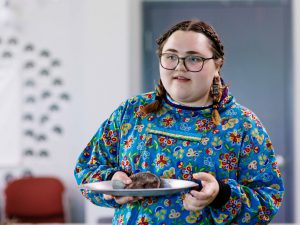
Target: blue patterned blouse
{"x": 176, "y": 142}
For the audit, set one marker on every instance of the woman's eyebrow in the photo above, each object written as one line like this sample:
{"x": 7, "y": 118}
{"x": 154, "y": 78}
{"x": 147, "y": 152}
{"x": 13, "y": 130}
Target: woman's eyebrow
{"x": 188, "y": 52}
{"x": 193, "y": 52}
{"x": 171, "y": 50}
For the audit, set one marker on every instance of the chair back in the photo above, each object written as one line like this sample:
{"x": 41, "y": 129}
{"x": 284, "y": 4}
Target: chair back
{"x": 35, "y": 200}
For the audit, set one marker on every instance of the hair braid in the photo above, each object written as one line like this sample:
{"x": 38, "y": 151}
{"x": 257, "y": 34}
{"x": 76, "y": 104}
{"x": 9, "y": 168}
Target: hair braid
{"x": 156, "y": 105}
{"x": 216, "y": 93}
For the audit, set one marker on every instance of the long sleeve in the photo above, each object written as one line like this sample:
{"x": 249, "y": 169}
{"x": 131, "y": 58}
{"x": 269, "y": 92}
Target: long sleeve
{"x": 100, "y": 157}
{"x": 257, "y": 193}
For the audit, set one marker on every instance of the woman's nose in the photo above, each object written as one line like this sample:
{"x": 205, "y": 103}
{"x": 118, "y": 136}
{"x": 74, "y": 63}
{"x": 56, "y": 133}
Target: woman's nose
{"x": 181, "y": 66}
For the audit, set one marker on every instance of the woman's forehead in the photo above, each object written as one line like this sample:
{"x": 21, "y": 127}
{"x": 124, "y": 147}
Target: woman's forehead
{"x": 188, "y": 41}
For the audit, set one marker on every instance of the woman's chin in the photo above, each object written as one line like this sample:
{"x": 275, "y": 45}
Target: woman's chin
{"x": 183, "y": 100}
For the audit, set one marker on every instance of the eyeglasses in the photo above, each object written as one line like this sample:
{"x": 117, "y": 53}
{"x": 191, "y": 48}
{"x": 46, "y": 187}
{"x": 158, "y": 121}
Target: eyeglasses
{"x": 192, "y": 63}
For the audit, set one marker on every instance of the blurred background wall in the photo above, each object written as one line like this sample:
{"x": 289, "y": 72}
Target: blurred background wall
{"x": 82, "y": 39}
{"x": 296, "y": 87}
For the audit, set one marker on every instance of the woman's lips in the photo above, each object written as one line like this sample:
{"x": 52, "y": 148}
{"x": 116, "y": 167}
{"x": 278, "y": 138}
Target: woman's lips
{"x": 180, "y": 78}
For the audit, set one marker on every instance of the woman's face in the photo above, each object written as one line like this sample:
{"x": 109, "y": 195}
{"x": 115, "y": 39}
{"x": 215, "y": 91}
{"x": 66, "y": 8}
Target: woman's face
{"x": 185, "y": 87}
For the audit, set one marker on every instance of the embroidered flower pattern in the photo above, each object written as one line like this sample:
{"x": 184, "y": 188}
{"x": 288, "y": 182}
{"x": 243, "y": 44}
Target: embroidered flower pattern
{"x": 233, "y": 205}
{"x": 235, "y": 137}
{"x": 124, "y": 128}
{"x": 143, "y": 220}
{"x": 264, "y": 213}
{"x": 204, "y": 125}
{"x": 166, "y": 141}
{"x": 161, "y": 160}
{"x": 193, "y": 217}
{"x": 126, "y": 164}
{"x": 110, "y": 137}
{"x": 228, "y": 161}
{"x": 128, "y": 142}
{"x": 168, "y": 121}
{"x": 229, "y": 123}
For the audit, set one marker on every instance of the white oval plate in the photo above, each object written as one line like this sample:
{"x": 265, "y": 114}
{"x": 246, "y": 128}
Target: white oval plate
{"x": 168, "y": 187}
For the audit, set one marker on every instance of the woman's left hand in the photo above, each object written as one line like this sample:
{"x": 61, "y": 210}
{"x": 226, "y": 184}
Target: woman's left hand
{"x": 197, "y": 200}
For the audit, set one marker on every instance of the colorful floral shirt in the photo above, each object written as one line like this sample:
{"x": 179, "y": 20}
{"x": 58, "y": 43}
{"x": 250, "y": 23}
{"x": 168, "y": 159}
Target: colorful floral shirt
{"x": 176, "y": 142}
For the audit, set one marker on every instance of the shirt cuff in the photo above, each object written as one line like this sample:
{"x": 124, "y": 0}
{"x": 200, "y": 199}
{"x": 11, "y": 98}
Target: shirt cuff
{"x": 222, "y": 197}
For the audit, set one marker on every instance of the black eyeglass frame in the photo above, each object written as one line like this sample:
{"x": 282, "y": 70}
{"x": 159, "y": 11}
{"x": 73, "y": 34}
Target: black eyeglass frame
{"x": 183, "y": 60}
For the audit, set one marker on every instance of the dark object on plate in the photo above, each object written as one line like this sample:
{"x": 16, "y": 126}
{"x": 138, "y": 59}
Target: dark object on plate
{"x": 144, "y": 180}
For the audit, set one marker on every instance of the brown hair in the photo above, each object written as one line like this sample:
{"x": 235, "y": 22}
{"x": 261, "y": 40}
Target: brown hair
{"x": 218, "y": 53}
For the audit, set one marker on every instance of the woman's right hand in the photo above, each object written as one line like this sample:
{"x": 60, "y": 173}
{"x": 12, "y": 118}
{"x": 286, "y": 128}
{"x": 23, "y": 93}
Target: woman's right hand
{"x": 122, "y": 199}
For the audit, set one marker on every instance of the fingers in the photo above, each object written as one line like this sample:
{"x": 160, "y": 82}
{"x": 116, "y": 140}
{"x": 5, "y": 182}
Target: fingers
{"x": 123, "y": 200}
{"x": 197, "y": 200}
{"x": 108, "y": 197}
{"x": 203, "y": 198}
{"x": 209, "y": 183}
{"x": 192, "y": 204}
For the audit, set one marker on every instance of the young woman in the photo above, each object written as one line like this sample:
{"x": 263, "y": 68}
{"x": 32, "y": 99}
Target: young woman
{"x": 191, "y": 127}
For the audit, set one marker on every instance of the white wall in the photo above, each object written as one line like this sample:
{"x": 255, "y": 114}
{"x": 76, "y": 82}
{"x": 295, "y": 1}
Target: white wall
{"x": 107, "y": 58}
{"x": 57, "y": 27}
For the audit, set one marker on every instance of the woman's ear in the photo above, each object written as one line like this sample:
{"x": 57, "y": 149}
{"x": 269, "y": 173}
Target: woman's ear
{"x": 219, "y": 63}
{"x": 217, "y": 75}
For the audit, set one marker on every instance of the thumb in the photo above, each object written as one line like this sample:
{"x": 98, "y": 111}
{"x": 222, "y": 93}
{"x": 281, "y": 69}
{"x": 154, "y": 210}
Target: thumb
{"x": 203, "y": 176}
{"x": 120, "y": 175}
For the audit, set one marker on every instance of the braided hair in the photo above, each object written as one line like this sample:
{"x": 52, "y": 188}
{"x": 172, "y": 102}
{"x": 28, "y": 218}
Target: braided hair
{"x": 218, "y": 53}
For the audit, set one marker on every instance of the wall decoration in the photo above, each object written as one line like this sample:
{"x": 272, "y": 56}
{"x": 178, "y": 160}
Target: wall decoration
{"x": 44, "y": 83}
{"x": 35, "y": 75}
